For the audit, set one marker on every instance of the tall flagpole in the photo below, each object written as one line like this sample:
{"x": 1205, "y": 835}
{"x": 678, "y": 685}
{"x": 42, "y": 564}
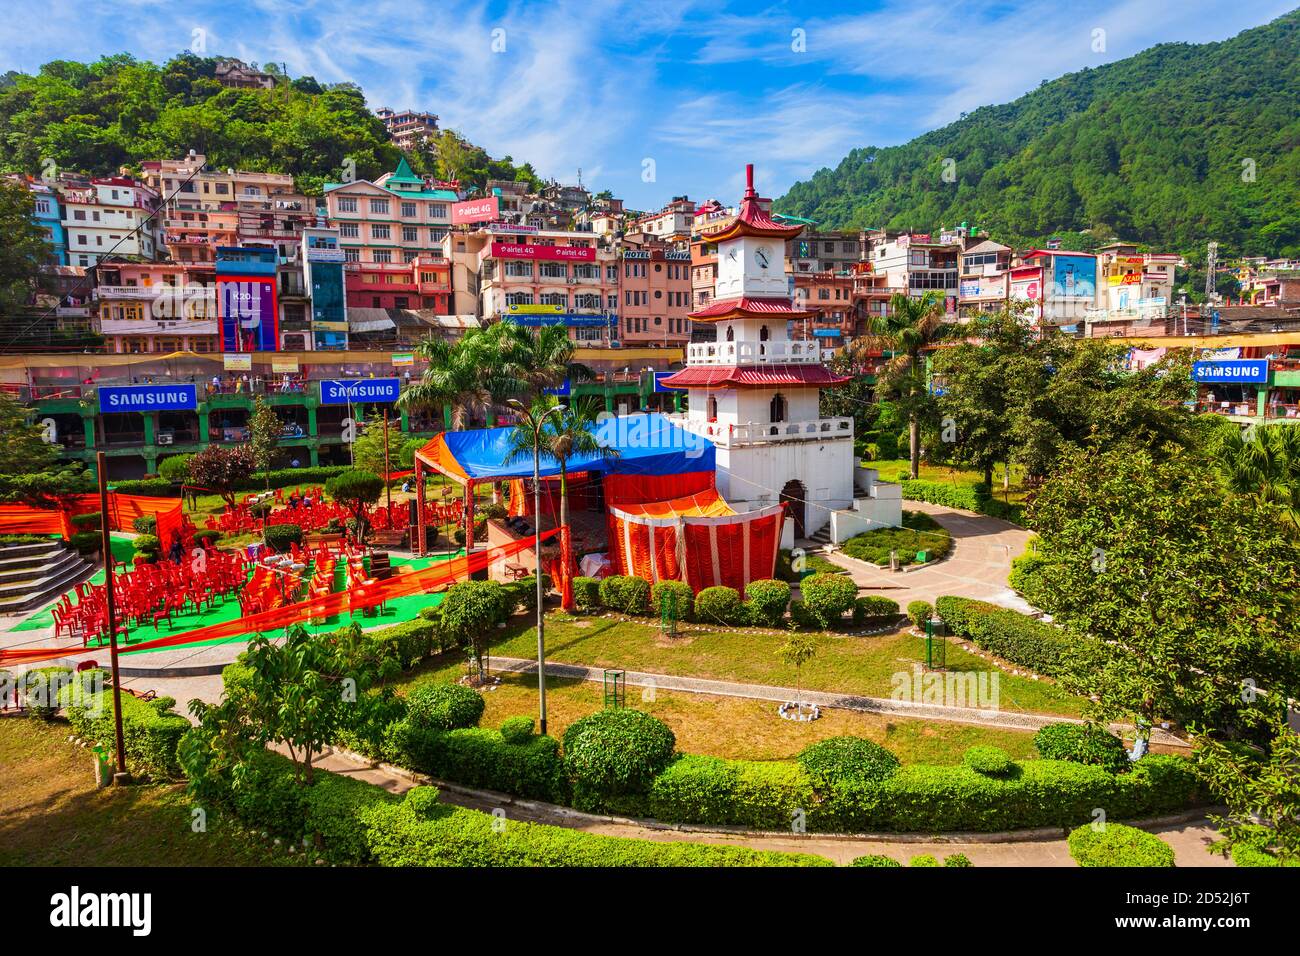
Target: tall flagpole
{"x": 101, "y": 466}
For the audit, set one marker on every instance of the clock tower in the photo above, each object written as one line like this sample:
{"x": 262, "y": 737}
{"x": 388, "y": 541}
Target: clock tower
{"x": 755, "y": 392}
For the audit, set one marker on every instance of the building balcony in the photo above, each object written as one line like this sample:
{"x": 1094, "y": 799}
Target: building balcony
{"x": 728, "y": 435}
{"x": 754, "y": 353}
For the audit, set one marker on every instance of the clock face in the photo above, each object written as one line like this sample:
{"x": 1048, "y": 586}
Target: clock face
{"x": 763, "y": 256}
{"x": 732, "y": 254}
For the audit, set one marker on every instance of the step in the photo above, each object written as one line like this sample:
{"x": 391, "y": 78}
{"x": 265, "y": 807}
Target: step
{"x": 49, "y": 589}
{"x": 10, "y": 577}
{"x": 12, "y": 553}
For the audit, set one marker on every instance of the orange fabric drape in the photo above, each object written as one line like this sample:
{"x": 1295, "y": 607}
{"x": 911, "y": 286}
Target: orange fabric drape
{"x": 637, "y": 489}
{"x": 25, "y": 519}
{"x": 123, "y": 510}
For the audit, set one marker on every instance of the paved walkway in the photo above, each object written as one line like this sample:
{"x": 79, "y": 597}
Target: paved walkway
{"x": 1189, "y": 840}
{"x": 977, "y": 566}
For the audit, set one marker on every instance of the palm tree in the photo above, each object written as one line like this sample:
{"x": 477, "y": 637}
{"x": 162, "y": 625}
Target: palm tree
{"x": 909, "y": 328}
{"x": 538, "y": 358}
{"x": 1265, "y": 466}
{"x": 468, "y": 375}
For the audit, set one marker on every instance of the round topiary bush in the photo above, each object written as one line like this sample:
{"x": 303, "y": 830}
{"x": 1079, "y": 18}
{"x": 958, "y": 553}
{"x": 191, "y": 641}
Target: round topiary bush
{"x": 586, "y": 595}
{"x": 925, "y": 859}
{"x": 874, "y": 859}
{"x": 207, "y": 537}
{"x": 827, "y": 597}
{"x": 990, "y": 761}
{"x": 88, "y": 542}
{"x": 918, "y": 612}
{"x": 282, "y": 537}
{"x": 839, "y": 760}
{"x": 957, "y": 860}
{"x": 261, "y": 509}
{"x": 766, "y": 601}
{"x": 1082, "y": 743}
{"x": 1114, "y": 844}
{"x": 677, "y": 594}
{"x": 621, "y": 592}
{"x": 517, "y": 730}
{"x": 873, "y": 607}
{"x": 718, "y": 605}
{"x": 148, "y": 547}
{"x": 145, "y": 524}
{"x": 443, "y": 707}
{"x": 619, "y": 751}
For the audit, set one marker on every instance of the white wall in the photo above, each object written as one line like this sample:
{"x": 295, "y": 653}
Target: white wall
{"x": 752, "y": 476}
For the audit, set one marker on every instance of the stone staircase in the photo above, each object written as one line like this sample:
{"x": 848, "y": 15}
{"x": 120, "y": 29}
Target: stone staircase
{"x": 33, "y": 575}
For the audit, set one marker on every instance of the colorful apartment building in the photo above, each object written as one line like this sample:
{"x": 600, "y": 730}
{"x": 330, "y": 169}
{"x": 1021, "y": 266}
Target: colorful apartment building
{"x": 1133, "y": 284}
{"x": 915, "y": 262}
{"x": 156, "y": 307}
{"x": 109, "y": 216}
{"x": 813, "y": 252}
{"x": 47, "y": 214}
{"x": 1059, "y": 286}
{"x": 322, "y": 269}
{"x": 675, "y": 222}
{"x": 982, "y": 278}
{"x": 654, "y": 292}
{"x": 408, "y": 129}
{"x": 422, "y": 283}
{"x": 394, "y": 219}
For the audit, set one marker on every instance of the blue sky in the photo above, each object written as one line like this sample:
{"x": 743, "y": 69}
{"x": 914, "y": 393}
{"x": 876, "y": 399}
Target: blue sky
{"x": 653, "y": 99}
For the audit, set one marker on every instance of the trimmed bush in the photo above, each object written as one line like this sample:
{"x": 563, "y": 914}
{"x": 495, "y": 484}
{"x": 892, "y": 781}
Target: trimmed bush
{"x": 521, "y": 595}
{"x": 407, "y": 643}
{"x": 615, "y": 752}
{"x": 175, "y": 469}
{"x": 626, "y": 594}
{"x": 88, "y": 542}
{"x": 918, "y": 612}
{"x": 679, "y": 593}
{"x": 1082, "y": 743}
{"x": 517, "y": 730}
{"x": 145, "y": 524}
{"x": 718, "y": 605}
{"x": 1013, "y": 636}
{"x": 586, "y": 595}
{"x": 873, "y": 607}
{"x": 151, "y": 731}
{"x": 924, "y": 859}
{"x": 841, "y": 760}
{"x": 827, "y": 597}
{"x": 91, "y": 521}
{"x": 919, "y": 532}
{"x": 990, "y": 761}
{"x": 42, "y": 690}
{"x": 478, "y": 757}
{"x": 1114, "y": 844}
{"x": 149, "y": 487}
{"x": 766, "y": 601}
{"x": 443, "y": 707}
{"x": 957, "y": 860}
{"x": 207, "y": 537}
{"x": 148, "y": 546}
{"x": 875, "y": 859}
{"x": 282, "y": 537}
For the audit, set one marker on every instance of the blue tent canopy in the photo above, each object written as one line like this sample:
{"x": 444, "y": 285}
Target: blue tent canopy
{"x": 647, "y": 444}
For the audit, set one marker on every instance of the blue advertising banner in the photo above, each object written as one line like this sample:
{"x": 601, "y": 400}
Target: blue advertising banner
{"x": 1232, "y": 370}
{"x": 660, "y": 387}
{"x": 335, "y": 391}
{"x": 148, "y": 398}
{"x": 249, "y": 314}
{"x": 1074, "y": 276}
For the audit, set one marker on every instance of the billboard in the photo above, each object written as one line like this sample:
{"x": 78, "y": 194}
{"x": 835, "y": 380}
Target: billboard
{"x": 335, "y": 391}
{"x": 1254, "y": 371}
{"x": 148, "y": 398}
{"x": 532, "y": 309}
{"x": 515, "y": 250}
{"x": 1030, "y": 289}
{"x": 249, "y": 314}
{"x": 1074, "y": 277}
{"x": 476, "y": 210}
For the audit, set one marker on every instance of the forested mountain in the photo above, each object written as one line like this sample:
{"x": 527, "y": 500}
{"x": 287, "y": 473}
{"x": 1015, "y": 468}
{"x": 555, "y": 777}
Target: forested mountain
{"x": 1174, "y": 146}
{"x": 96, "y": 117}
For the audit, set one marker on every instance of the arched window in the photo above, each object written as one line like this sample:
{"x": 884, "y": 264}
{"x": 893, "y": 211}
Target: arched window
{"x": 779, "y": 409}
{"x": 731, "y": 334}
{"x": 712, "y": 409}
{"x": 762, "y": 334}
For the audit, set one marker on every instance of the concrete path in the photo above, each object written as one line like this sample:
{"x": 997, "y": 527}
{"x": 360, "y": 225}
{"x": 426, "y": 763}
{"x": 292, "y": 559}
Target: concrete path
{"x": 977, "y": 566}
{"x": 1037, "y": 848}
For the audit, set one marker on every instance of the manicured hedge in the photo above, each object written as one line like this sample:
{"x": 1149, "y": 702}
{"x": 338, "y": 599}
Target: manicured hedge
{"x": 1117, "y": 845}
{"x": 615, "y": 752}
{"x": 839, "y": 760}
{"x": 87, "y": 542}
{"x": 873, "y": 607}
{"x": 765, "y": 602}
{"x": 586, "y": 595}
{"x": 875, "y": 859}
{"x": 626, "y": 594}
{"x": 149, "y": 487}
{"x": 1013, "y": 636}
{"x": 919, "y": 532}
{"x": 151, "y": 731}
{"x": 517, "y": 730}
{"x": 719, "y": 605}
{"x": 282, "y": 537}
{"x": 1026, "y": 579}
{"x": 443, "y": 707}
{"x": 1082, "y": 743}
{"x": 918, "y": 612}
{"x": 990, "y": 761}
{"x": 478, "y": 757}
{"x": 828, "y": 597}
{"x": 408, "y": 643}
{"x": 678, "y": 593}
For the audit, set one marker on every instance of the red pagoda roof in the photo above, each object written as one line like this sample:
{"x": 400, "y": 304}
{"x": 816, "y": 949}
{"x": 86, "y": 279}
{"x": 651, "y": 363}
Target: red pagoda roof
{"x": 748, "y": 306}
{"x": 730, "y": 376}
{"x": 753, "y": 220}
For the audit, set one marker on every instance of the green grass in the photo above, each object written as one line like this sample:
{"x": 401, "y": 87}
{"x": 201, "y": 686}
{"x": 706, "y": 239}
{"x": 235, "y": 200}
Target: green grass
{"x": 919, "y": 533}
{"x": 851, "y": 665}
{"x": 900, "y": 469}
{"x": 52, "y": 815}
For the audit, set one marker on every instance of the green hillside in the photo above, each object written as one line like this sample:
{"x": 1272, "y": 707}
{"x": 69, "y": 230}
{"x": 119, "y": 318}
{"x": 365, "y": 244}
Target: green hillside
{"x": 1150, "y": 148}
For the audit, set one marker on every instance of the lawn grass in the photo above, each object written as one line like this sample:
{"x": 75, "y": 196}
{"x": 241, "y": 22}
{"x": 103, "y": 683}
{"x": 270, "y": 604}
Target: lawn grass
{"x": 843, "y": 664}
{"x": 736, "y": 727}
{"x": 919, "y": 533}
{"x": 900, "y": 469}
{"x": 51, "y": 814}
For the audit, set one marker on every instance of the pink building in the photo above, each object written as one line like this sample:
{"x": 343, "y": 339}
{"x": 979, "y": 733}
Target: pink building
{"x": 654, "y": 293}
{"x": 396, "y": 219}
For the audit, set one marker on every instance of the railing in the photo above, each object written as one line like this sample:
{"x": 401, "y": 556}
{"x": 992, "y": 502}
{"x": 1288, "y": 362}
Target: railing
{"x": 751, "y": 433}
{"x": 753, "y": 353}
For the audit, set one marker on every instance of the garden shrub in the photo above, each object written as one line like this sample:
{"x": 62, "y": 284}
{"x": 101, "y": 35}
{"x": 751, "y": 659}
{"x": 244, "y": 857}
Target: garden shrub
{"x": 443, "y": 707}
{"x": 207, "y": 537}
{"x": 148, "y": 546}
{"x": 837, "y": 760}
{"x": 261, "y": 509}
{"x": 1082, "y": 743}
{"x": 282, "y": 537}
{"x": 149, "y": 487}
{"x": 873, "y": 607}
{"x": 586, "y": 595}
{"x": 91, "y": 521}
{"x": 718, "y": 605}
{"x": 918, "y": 612}
{"x": 679, "y": 593}
{"x": 517, "y": 730}
{"x": 827, "y": 597}
{"x": 1026, "y": 578}
{"x": 990, "y": 761}
{"x": 1115, "y": 844}
{"x": 919, "y": 532}
{"x": 1013, "y": 636}
{"x": 875, "y": 859}
{"x": 959, "y": 860}
{"x": 88, "y": 542}
{"x": 967, "y": 497}
{"x": 624, "y": 593}
{"x": 521, "y": 595}
{"x": 613, "y": 752}
{"x": 924, "y": 859}
{"x": 145, "y": 524}
{"x": 175, "y": 469}
{"x": 151, "y": 731}
{"x": 41, "y": 690}
{"x": 803, "y": 618}
{"x": 766, "y": 601}
{"x": 471, "y": 609}
{"x": 478, "y": 757}
{"x": 407, "y": 643}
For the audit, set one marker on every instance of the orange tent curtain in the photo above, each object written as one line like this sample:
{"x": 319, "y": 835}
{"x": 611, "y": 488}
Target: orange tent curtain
{"x": 123, "y": 510}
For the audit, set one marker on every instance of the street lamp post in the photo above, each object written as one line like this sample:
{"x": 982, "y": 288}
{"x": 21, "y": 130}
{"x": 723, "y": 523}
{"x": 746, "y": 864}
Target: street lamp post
{"x": 535, "y": 425}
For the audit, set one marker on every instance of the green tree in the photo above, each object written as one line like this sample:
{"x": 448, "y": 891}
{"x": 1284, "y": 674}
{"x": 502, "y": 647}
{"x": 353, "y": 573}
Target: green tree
{"x": 222, "y": 471}
{"x": 25, "y": 247}
{"x": 356, "y": 490}
{"x": 1264, "y": 465}
{"x": 469, "y": 616}
{"x": 798, "y": 648}
{"x": 264, "y": 427}
{"x": 368, "y": 449}
{"x": 24, "y": 449}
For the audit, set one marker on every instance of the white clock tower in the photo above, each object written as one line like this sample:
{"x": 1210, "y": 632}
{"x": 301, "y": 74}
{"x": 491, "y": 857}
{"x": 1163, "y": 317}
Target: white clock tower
{"x": 754, "y": 392}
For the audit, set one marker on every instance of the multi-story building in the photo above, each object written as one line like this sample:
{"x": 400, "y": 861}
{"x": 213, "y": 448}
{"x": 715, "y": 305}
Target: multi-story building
{"x": 835, "y": 311}
{"x": 675, "y": 222}
{"x": 710, "y": 214}
{"x": 247, "y": 299}
{"x": 422, "y": 283}
{"x": 813, "y": 252}
{"x": 322, "y": 269}
{"x": 238, "y": 75}
{"x": 550, "y": 277}
{"x": 654, "y": 292}
{"x": 109, "y": 216}
{"x": 983, "y": 278}
{"x": 47, "y": 214}
{"x": 395, "y": 219}
{"x": 1133, "y": 284}
{"x": 409, "y": 128}
{"x": 156, "y": 307}
{"x": 1060, "y": 287}
{"x": 461, "y": 250}
{"x": 915, "y": 262}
